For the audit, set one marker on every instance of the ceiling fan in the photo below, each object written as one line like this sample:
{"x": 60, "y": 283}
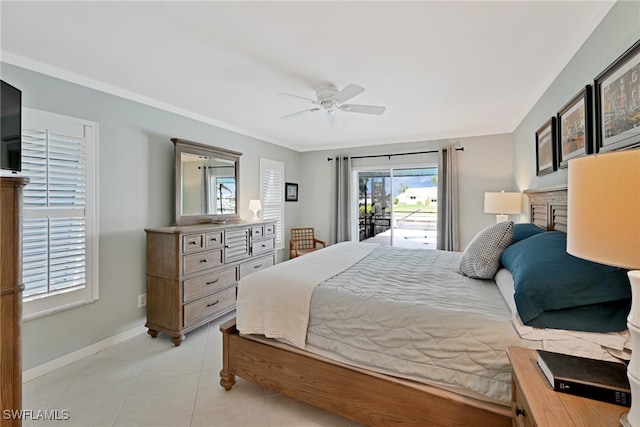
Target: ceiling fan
{"x": 330, "y": 100}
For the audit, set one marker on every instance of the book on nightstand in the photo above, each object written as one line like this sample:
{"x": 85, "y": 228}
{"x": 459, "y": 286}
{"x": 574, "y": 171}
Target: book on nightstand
{"x": 594, "y": 379}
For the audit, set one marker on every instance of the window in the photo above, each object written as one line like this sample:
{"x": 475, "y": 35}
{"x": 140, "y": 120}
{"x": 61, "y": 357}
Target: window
{"x": 272, "y": 195}
{"x": 60, "y": 240}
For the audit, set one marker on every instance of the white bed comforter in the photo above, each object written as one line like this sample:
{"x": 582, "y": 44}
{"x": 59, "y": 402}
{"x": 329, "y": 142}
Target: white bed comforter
{"x": 275, "y": 302}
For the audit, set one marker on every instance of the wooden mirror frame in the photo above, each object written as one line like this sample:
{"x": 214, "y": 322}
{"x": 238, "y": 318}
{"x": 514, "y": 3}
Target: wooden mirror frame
{"x": 183, "y": 146}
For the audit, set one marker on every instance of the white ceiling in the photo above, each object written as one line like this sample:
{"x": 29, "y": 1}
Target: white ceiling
{"x": 445, "y": 69}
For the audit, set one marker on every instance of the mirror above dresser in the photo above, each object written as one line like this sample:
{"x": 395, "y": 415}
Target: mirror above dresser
{"x": 206, "y": 183}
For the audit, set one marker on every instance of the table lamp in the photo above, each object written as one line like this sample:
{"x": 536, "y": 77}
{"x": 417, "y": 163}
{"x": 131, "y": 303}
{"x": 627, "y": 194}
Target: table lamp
{"x": 502, "y": 204}
{"x": 604, "y": 227}
{"x": 255, "y": 206}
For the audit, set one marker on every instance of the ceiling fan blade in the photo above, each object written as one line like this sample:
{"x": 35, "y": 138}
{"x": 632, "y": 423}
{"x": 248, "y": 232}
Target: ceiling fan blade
{"x": 367, "y": 109}
{"x": 348, "y": 92}
{"x": 299, "y": 97}
{"x": 300, "y": 113}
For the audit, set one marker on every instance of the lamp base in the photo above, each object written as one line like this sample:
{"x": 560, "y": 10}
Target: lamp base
{"x": 255, "y": 216}
{"x": 624, "y": 421}
{"x": 632, "y": 418}
{"x": 501, "y": 218}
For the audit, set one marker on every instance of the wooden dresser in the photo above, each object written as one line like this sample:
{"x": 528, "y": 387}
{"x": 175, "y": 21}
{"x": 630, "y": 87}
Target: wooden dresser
{"x": 193, "y": 270}
{"x": 11, "y": 288}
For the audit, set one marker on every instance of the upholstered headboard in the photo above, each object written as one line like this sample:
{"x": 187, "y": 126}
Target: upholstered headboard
{"x": 548, "y": 207}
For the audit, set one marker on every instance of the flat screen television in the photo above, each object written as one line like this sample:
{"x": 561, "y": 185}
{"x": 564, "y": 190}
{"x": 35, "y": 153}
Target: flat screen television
{"x": 11, "y": 128}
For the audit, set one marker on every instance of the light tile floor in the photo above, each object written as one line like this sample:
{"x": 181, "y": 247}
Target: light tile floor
{"x": 150, "y": 382}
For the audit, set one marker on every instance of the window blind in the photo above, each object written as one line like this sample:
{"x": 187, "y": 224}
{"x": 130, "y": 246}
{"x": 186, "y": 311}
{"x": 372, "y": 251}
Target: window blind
{"x": 272, "y": 195}
{"x": 58, "y": 212}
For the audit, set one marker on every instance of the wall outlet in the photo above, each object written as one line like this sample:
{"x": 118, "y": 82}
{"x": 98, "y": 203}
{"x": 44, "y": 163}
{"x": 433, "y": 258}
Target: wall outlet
{"x": 142, "y": 300}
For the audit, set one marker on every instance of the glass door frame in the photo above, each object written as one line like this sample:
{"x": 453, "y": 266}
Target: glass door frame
{"x": 355, "y": 191}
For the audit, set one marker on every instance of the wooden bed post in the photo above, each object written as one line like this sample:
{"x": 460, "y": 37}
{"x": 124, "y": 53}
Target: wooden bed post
{"x": 227, "y": 379}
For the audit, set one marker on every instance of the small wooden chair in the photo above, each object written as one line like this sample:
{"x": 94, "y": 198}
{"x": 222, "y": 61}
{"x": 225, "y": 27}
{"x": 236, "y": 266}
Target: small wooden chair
{"x": 303, "y": 241}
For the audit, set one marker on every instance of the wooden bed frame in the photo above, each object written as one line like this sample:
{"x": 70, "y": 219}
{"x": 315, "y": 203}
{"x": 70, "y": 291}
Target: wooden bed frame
{"x": 367, "y": 397}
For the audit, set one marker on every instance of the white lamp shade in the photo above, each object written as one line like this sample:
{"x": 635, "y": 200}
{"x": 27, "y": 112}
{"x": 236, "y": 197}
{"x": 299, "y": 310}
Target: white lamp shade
{"x": 604, "y": 208}
{"x": 255, "y": 205}
{"x": 503, "y": 203}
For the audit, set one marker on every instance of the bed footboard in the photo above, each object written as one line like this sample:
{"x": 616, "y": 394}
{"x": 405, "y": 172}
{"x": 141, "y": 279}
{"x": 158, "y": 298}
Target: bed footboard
{"x": 366, "y": 397}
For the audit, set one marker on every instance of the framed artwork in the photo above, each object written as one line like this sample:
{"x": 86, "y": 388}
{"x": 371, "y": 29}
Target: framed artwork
{"x": 546, "y": 148}
{"x": 290, "y": 192}
{"x": 574, "y": 128}
{"x": 617, "y": 95}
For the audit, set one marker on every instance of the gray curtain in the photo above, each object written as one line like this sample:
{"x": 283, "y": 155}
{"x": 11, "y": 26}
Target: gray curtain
{"x": 448, "y": 228}
{"x": 343, "y": 199}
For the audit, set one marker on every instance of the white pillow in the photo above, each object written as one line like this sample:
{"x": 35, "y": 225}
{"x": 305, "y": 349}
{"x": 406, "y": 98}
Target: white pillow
{"x": 481, "y": 258}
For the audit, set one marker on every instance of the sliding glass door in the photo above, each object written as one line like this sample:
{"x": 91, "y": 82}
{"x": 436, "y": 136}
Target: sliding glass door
{"x": 398, "y": 206}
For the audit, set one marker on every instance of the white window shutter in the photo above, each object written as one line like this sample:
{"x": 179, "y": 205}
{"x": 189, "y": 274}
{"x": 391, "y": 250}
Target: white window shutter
{"x": 272, "y": 195}
{"x": 60, "y": 219}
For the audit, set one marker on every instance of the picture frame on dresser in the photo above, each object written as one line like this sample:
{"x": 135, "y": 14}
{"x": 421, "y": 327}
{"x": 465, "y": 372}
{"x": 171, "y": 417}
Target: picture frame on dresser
{"x": 546, "y": 148}
{"x": 575, "y": 138}
{"x": 617, "y": 102}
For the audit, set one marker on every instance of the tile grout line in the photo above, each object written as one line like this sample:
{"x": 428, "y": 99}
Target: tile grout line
{"x": 133, "y": 384}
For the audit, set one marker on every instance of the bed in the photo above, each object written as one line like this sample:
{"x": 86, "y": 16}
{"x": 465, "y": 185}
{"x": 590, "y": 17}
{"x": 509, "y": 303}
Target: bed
{"x": 305, "y": 363}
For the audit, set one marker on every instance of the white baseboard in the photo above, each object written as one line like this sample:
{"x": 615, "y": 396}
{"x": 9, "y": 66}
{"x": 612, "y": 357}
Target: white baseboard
{"x": 45, "y": 368}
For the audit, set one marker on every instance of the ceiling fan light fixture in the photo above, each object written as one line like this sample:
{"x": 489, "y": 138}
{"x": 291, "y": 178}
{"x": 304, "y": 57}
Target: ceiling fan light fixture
{"x": 331, "y": 99}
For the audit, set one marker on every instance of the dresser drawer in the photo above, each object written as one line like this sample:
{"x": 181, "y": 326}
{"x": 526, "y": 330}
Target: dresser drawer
{"x": 192, "y": 243}
{"x": 208, "y": 283}
{"x": 201, "y": 261}
{"x": 521, "y": 413}
{"x": 212, "y": 240}
{"x": 262, "y": 246}
{"x": 269, "y": 230}
{"x": 209, "y": 306}
{"x": 257, "y": 231}
{"x": 255, "y": 265}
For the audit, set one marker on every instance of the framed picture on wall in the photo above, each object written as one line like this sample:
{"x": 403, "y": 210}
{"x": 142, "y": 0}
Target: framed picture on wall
{"x": 574, "y": 128}
{"x": 617, "y": 94}
{"x": 546, "y": 148}
{"x": 290, "y": 192}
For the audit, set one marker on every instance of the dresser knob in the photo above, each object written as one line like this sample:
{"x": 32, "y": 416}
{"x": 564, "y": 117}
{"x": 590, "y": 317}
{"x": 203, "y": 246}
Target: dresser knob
{"x": 519, "y": 412}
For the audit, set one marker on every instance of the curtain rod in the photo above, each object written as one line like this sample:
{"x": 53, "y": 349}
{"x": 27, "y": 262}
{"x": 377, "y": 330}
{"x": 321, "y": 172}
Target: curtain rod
{"x": 397, "y": 154}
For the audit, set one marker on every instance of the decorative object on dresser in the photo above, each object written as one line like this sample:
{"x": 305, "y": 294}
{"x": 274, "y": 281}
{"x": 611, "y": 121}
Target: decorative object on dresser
{"x": 193, "y": 270}
{"x": 502, "y": 204}
{"x": 610, "y": 180}
{"x": 535, "y": 404}
{"x": 255, "y": 206}
{"x": 11, "y": 298}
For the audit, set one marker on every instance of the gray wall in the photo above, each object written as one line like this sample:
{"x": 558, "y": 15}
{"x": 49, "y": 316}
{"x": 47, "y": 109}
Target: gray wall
{"x": 617, "y": 32}
{"x": 136, "y": 191}
{"x": 486, "y": 164}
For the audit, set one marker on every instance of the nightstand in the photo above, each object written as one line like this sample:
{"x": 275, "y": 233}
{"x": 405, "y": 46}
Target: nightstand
{"x": 534, "y": 403}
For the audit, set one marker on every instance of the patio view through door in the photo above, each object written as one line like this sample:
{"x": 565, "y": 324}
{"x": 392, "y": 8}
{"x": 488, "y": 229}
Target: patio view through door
{"x": 398, "y": 207}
